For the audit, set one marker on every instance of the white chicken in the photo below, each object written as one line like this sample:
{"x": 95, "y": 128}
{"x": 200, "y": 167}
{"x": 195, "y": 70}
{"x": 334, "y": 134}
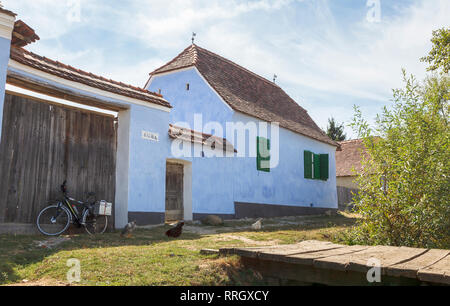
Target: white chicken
{"x": 257, "y": 225}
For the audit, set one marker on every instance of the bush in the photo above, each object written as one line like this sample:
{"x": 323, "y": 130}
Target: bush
{"x": 405, "y": 181}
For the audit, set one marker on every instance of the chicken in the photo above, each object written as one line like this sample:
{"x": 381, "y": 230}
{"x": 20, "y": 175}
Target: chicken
{"x": 128, "y": 229}
{"x": 257, "y": 225}
{"x": 176, "y": 231}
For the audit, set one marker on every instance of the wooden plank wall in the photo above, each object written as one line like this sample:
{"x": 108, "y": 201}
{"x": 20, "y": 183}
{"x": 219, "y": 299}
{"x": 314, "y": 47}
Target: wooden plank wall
{"x": 45, "y": 144}
{"x": 345, "y": 197}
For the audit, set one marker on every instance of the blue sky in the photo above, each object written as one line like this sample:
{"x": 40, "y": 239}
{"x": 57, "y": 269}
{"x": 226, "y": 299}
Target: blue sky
{"x": 327, "y": 54}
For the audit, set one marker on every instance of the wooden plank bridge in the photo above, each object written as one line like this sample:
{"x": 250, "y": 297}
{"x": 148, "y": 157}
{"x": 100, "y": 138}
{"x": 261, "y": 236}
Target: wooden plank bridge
{"x": 326, "y": 263}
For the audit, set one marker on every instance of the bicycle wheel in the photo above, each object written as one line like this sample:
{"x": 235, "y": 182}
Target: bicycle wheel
{"x": 53, "y": 220}
{"x": 94, "y": 224}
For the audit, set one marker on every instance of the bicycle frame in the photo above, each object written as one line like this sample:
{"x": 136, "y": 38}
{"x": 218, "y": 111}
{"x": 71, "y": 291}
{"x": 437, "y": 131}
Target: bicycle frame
{"x": 77, "y": 217}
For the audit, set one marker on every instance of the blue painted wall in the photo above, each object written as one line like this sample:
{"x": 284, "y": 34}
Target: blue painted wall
{"x": 4, "y": 59}
{"x": 199, "y": 99}
{"x": 219, "y": 182}
{"x": 147, "y": 170}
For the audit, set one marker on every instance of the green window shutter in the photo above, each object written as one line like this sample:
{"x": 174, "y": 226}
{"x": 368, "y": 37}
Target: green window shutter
{"x": 316, "y": 166}
{"x": 324, "y": 171}
{"x": 308, "y": 159}
{"x": 263, "y": 154}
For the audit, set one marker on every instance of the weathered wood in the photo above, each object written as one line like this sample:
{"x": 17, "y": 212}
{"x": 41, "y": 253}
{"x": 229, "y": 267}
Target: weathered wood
{"x": 437, "y": 273}
{"x": 174, "y": 192}
{"x": 45, "y": 144}
{"x": 411, "y": 267}
{"x": 333, "y": 264}
{"x": 279, "y": 251}
{"x": 307, "y": 274}
{"x": 345, "y": 197}
{"x": 358, "y": 261}
{"x": 21, "y": 81}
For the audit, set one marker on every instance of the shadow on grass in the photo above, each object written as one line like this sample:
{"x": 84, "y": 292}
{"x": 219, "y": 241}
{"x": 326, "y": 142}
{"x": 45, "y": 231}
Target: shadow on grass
{"x": 17, "y": 252}
{"x": 22, "y": 250}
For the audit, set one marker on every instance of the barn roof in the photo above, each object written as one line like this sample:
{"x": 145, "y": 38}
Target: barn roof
{"x": 349, "y": 157}
{"x": 247, "y": 92}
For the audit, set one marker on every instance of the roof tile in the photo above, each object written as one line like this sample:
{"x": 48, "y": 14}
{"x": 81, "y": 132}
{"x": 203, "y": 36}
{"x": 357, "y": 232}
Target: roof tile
{"x": 72, "y": 74}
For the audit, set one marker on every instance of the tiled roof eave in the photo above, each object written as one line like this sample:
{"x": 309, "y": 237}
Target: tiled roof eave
{"x": 75, "y": 75}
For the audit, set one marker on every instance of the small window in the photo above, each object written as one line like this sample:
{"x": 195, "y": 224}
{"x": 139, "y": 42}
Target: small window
{"x": 263, "y": 154}
{"x": 316, "y": 166}
{"x": 188, "y": 86}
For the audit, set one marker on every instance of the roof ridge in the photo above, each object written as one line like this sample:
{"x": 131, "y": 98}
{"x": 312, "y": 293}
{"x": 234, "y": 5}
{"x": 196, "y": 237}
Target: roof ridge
{"x": 175, "y": 59}
{"x": 238, "y": 66}
{"x": 90, "y": 74}
{"x": 350, "y": 140}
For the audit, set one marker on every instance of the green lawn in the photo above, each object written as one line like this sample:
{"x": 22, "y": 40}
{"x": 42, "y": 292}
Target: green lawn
{"x": 150, "y": 258}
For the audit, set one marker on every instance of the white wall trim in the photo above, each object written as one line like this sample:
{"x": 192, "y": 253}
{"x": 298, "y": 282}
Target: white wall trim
{"x": 122, "y": 168}
{"x": 83, "y": 87}
{"x": 6, "y": 25}
{"x": 149, "y": 81}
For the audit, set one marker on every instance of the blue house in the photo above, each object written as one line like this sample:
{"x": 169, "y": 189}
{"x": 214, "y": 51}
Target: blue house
{"x": 205, "y": 136}
{"x": 209, "y": 94}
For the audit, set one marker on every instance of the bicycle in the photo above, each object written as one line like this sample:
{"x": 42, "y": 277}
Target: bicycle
{"x": 55, "y": 219}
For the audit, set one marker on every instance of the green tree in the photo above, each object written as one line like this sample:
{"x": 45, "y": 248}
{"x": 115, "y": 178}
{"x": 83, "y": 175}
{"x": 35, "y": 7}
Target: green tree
{"x": 404, "y": 196}
{"x": 439, "y": 56}
{"x": 335, "y": 131}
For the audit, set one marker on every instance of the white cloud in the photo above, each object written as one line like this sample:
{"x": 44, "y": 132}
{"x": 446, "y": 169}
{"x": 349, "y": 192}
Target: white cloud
{"x": 316, "y": 52}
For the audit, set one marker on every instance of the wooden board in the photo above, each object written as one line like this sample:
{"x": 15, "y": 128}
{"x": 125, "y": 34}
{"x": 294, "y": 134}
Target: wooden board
{"x": 328, "y": 263}
{"x": 358, "y": 261}
{"x": 174, "y": 192}
{"x": 45, "y": 144}
{"x": 411, "y": 267}
{"x": 437, "y": 273}
{"x": 280, "y": 251}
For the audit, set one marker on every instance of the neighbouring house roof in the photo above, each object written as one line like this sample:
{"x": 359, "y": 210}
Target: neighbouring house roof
{"x": 176, "y": 132}
{"x": 76, "y": 75}
{"x": 23, "y": 34}
{"x": 349, "y": 157}
{"x": 247, "y": 92}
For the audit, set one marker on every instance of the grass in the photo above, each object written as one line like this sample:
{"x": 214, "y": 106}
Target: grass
{"x": 150, "y": 258}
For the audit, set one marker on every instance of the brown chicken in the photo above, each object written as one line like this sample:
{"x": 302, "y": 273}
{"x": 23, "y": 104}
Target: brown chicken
{"x": 176, "y": 231}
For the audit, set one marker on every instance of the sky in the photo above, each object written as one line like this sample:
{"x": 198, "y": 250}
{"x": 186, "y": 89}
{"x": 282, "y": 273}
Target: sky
{"x": 328, "y": 55}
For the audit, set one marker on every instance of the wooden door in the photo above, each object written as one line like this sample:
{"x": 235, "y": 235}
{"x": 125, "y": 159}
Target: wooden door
{"x": 174, "y": 192}
{"x": 44, "y": 144}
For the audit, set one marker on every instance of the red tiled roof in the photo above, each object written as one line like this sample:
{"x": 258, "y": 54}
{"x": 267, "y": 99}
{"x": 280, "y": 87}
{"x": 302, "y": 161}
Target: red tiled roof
{"x": 247, "y": 92}
{"x": 72, "y": 74}
{"x": 349, "y": 157}
{"x": 23, "y": 34}
{"x": 188, "y": 135}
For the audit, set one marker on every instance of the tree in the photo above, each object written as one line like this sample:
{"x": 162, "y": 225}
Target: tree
{"x": 439, "y": 56}
{"x": 404, "y": 196}
{"x": 335, "y": 131}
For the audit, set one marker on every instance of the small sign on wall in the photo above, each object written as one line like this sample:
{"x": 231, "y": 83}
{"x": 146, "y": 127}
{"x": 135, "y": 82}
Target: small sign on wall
{"x": 150, "y": 136}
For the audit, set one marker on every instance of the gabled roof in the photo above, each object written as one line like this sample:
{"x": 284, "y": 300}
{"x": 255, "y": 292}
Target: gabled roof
{"x": 76, "y": 75}
{"x": 247, "y": 92}
{"x": 349, "y": 157}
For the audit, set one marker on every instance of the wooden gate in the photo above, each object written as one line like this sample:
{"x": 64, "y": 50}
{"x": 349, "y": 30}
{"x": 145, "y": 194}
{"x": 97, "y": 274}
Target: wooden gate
{"x": 44, "y": 144}
{"x": 174, "y": 192}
